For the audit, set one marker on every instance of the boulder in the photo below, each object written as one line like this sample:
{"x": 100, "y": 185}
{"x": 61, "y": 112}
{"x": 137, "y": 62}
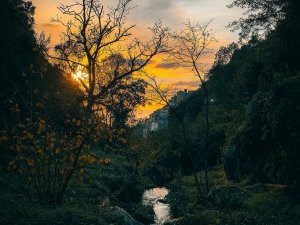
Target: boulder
{"x": 163, "y": 201}
{"x": 173, "y": 221}
{"x": 120, "y": 217}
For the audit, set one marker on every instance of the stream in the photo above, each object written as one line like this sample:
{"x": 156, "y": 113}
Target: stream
{"x": 162, "y": 210}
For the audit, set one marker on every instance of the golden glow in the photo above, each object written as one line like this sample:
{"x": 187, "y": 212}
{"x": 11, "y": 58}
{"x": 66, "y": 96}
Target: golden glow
{"x": 79, "y": 75}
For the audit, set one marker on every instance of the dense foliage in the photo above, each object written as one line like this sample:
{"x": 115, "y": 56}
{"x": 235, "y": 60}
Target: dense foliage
{"x": 69, "y": 156}
{"x": 254, "y": 114}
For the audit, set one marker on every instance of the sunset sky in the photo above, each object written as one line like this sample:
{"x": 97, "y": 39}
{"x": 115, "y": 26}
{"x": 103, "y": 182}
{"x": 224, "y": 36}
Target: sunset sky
{"x": 172, "y": 13}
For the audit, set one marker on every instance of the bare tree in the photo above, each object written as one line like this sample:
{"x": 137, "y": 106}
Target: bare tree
{"x": 162, "y": 95}
{"x": 95, "y": 32}
{"x": 191, "y": 45}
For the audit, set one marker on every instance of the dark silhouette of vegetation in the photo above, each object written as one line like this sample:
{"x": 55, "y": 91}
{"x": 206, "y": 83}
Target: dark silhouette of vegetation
{"x": 253, "y": 90}
{"x": 44, "y": 149}
{"x": 71, "y": 154}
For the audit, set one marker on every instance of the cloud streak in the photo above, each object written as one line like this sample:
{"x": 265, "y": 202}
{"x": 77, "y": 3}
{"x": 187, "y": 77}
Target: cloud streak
{"x": 184, "y": 84}
{"x": 166, "y": 65}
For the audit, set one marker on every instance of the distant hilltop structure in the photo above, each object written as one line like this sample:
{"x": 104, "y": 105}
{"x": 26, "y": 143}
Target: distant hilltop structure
{"x": 159, "y": 119}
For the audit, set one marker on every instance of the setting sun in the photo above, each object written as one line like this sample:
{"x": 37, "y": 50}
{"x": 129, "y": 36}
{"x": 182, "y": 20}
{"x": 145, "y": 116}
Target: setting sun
{"x": 79, "y": 75}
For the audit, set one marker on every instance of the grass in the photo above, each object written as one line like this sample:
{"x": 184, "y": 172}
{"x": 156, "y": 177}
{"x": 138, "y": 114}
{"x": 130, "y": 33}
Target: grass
{"x": 258, "y": 207}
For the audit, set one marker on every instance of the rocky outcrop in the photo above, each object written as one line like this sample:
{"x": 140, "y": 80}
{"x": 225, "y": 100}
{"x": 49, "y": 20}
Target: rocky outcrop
{"x": 120, "y": 217}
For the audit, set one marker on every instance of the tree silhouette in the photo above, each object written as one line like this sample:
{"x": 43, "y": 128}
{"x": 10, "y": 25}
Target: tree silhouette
{"x": 94, "y": 32}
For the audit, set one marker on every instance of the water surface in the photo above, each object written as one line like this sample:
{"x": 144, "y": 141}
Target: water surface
{"x": 162, "y": 210}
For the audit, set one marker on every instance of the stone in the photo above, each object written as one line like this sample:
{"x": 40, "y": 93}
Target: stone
{"x": 121, "y": 217}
